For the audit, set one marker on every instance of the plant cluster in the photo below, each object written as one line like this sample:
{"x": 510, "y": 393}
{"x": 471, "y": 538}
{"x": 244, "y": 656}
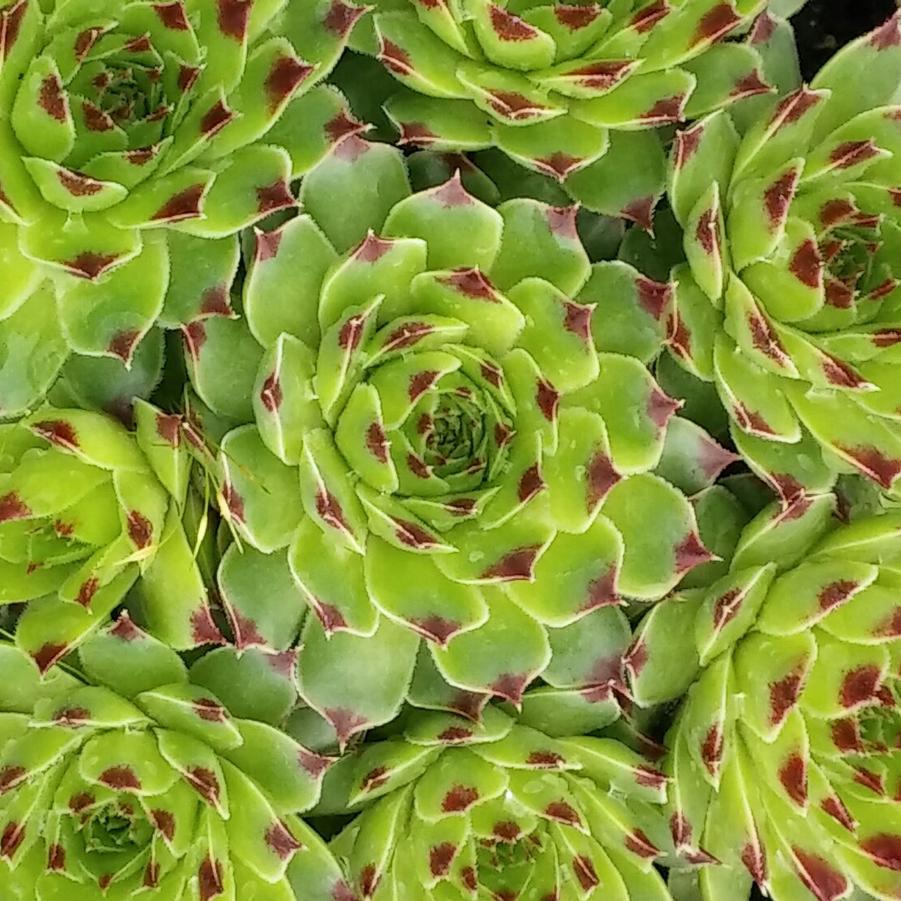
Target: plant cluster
{"x": 449, "y": 449}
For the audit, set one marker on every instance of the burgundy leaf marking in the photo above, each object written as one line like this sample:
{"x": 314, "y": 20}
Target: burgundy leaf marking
{"x": 691, "y": 553}
{"x": 459, "y": 798}
{"x": 686, "y": 144}
{"x": 575, "y": 17}
{"x": 58, "y": 432}
{"x": 859, "y": 685}
{"x": 558, "y": 165}
{"x": 873, "y": 463}
{"x": 784, "y": 694}
{"x": 11, "y": 776}
{"x": 345, "y": 722}
{"x": 140, "y": 529}
{"x": 125, "y": 629}
{"x": 436, "y": 628}
{"x": 203, "y": 628}
{"x": 886, "y": 36}
{"x": 164, "y": 821}
{"x": 547, "y": 397}
{"x": 639, "y": 843}
{"x": 341, "y": 17}
{"x": 48, "y": 654}
{"x": 12, "y": 507}
{"x": 209, "y": 875}
{"x": 395, "y": 58}
{"x": 233, "y": 16}
{"x": 120, "y": 778}
{"x": 646, "y": 18}
{"x": 441, "y": 857}
{"x": 563, "y": 812}
{"x": 885, "y": 849}
{"x": 718, "y": 21}
{"x": 516, "y": 565}
{"x": 753, "y": 856}
{"x": 793, "y": 776}
{"x": 824, "y": 883}
{"x": 285, "y": 76}
{"x": 56, "y": 858}
{"x": 275, "y": 196}
{"x": 13, "y": 836}
{"x": 52, "y": 100}
{"x": 601, "y": 477}
{"x": 184, "y": 205}
{"x": 641, "y": 212}
{"x": 778, "y": 197}
{"x": 712, "y": 749}
{"x": 653, "y": 297}
{"x": 585, "y": 873}
{"x": 205, "y": 783}
{"x": 281, "y": 841}
{"x": 369, "y": 880}
{"x": 172, "y": 15}
{"x": 834, "y": 807}
{"x": 472, "y": 283}
{"x": 271, "y": 393}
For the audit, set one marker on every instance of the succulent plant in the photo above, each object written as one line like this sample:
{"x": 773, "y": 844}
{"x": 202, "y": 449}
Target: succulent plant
{"x": 135, "y": 140}
{"x": 450, "y": 809}
{"x": 546, "y": 83}
{"x": 789, "y": 298}
{"x": 88, "y": 513}
{"x": 128, "y": 780}
{"x": 438, "y": 447}
{"x": 784, "y": 755}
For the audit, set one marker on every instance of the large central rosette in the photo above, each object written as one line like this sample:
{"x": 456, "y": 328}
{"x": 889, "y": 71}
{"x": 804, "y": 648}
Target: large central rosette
{"x": 137, "y": 139}
{"x": 450, "y": 809}
{"x": 133, "y": 781}
{"x": 437, "y": 440}
{"x": 789, "y": 299}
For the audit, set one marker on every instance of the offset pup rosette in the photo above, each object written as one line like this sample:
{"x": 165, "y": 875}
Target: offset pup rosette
{"x": 130, "y": 781}
{"x": 450, "y": 809}
{"x": 88, "y": 513}
{"x": 439, "y": 451}
{"x": 784, "y": 756}
{"x": 136, "y": 140}
{"x": 789, "y": 299}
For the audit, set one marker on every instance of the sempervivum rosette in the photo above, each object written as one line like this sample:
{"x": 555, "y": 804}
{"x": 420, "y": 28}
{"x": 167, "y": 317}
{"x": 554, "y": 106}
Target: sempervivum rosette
{"x": 789, "y": 301}
{"x": 132, "y": 781}
{"x": 784, "y": 757}
{"x": 136, "y": 139}
{"x": 546, "y": 82}
{"x": 439, "y": 450}
{"x": 453, "y": 810}
{"x": 88, "y": 513}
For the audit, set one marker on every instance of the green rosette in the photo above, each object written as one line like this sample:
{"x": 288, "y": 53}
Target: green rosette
{"x": 93, "y": 516}
{"x": 136, "y": 140}
{"x": 124, "y": 779}
{"x": 449, "y": 809}
{"x": 784, "y": 754}
{"x": 788, "y": 296}
{"x": 576, "y": 92}
{"x": 428, "y": 445}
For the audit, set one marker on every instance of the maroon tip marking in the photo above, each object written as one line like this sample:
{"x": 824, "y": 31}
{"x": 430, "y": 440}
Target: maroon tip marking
{"x": 506, "y": 831}
{"x": 686, "y": 144}
{"x": 78, "y": 185}
{"x": 859, "y": 685}
{"x": 823, "y": 882}
{"x": 784, "y": 694}
{"x": 708, "y": 232}
{"x": 749, "y": 85}
{"x": 420, "y": 383}
{"x": 330, "y": 616}
{"x": 341, "y": 17}
{"x": 562, "y": 221}
{"x": 124, "y": 629}
{"x": 233, "y": 16}
{"x": 343, "y": 892}
{"x": 95, "y": 119}
{"x": 778, "y": 196}
{"x": 271, "y": 393}
{"x": 718, "y": 21}
{"x": 452, "y": 193}
{"x": 369, "y": 880}
{"x": 374, "y": 779}
{"x": 187, "y": 75}
{"x": 834, "y": 807}
{"x": 870, "y": 780}
{"x": 436, "y": 628}
{"x": 13, "y": 507}
{"x": 281, "y": 841}
{"x": 203, "y": 627}
{"x": 577, "y": 319}
{"x": 10, "y": 777}
{"x": 342, "y": 126}
{"x": 352, "y": 333}
{"x": 575, "y": 17}
{"x": 459, "y": 798}
{"x": 58, "y": 432}
{"x": 418, "y": 467}
{"x": 345, "y": 722}
{"x": 172, "y": 15}
{"x": 215, "y": 119}
{"x": 838, "y": 294}
{"x": 469, "y": 879}
{"x": 416, "y": 133}
{"x": 372, "y": 248}
{"x": 394, "y": 58}
{"x": 377, "y": 442}
{"x": 547, "y": 397}
{"x": 510, "y": 686}
{"x": 636, "y": 658}
{"x": 641, "y": 212}
{"x": 646, "y": 18}
{"x": 455, "y": 734}
{"x": 793, "y": 776}
{"x": 164, "y": 822}
{"x": 11, "y": 21}
{"x": 563, "y": 812}
{"x": 753, "y": 856}
{"x": 52, "y": 100}
{"x": 846, "y": 735}
{"x": 215, "y": 301}
{"x": 516, "y": 565}
{"x": 874, "y": 464}
{"x": 440, "y": 858}
{"x": 13, "y": 836}
{"x": 87, "y": 590}
{"x": 530, "y": 484}
{"x": 121, "y": 778}
{"x": 512, "y": 105}
{"x": 602, "y": 591}
{"x": 834, "y": 211}
{"x": 712, "y": 749}
{"x": 794, "y": 106}
{"x": 806, "y": 265}
{"x": 836, "y": 593}
{"x": 558, "y": 165}
{"x": 585, "y": 873}
{"x": 764, "y": 28}
{"x": 601, "y": 477}
{"x": 885, "y": 850}
{"x": 140, "y": 529}
{"x": 151, "y": 874}
{"x": 407, "y": 335}
{"x": 267, "y": 244}
{"x": 56, "y": 858}
{"x": 666, "y": 110}
{"x": 472, "y": 283}
{"x": 209, "y": 875}
{"x": 205, "y": 783}
{"x": 509, "y": 27}
{"x": 549, "y": 760}
{"x": 122, "y": 344}
{"x": 210, "y": 710}
{"x": 330, "y": 511}
{"x": 314, "y": 765}
{"x": 851, "y": 153}
{"x": 184, "y": 205}
{"x": 639, "y": 843}
{"x": 725, "y": 610}
{"x": 691, "y": 553}
{"x": 653, "y": 297}
{"x": 48, "y": 654}
{"x": 412, "y": 534}
{"x": 886, "y": 36}
{"x": 285, "y": 76}
{"x": 276, "y": 196}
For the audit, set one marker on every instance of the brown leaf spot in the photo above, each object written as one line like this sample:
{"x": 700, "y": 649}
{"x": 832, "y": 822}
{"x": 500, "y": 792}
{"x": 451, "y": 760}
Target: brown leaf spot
{"x": 184, "y": 205}
{"x": 203, "y": 628}
{"x": 510, "y": 686}
{"x": 472, "y": 283}
{"x": 653, "y": 297}
{"x": 806, "y": 265}
{"x": 281, "y": 841}
{"x": 873, "y": 463}
{"x": 530, "y": 484}
{"x": 753, "y": 857}
{"x": 209, "y": 875}
{"x": 345, "y": 721}
{"x": 665, "y": 111}
{"x": 440, "y": 858}
{"x": 793, "y": 776}
{"x": 205, "y": 783}
{"x": 585, "y": 873}
{"x": 13, "y": 836}
{"x": 285, "y": 76}
{"x": 13, "y": 507}
{"x": 276, "y": 196}
{"x": 52, "y": 100}
{"x": 823, "y": 882}
{"x": 56, "y": 857}
{"x": 885, "y": 850}
{"x": 271, "y": 393}
{"x": 369, "y": 880}
{"x": 548, "y": 760}
{"x": 460, "y": 797}
{"x": 563, "y": 812}
{"x": 834, "y": 807}
{"x": 718, "y": 21}
{"x": 10, "y": 777}
{"x": 120, "y": 778}
{"x": 645, "y": 19}
{"x": 124, "y": 629}
{"x": 47, "y": 654}
{"x": 712, "y": 749}
{"x": 517, "y": 565}
{"x": 140, "y": 529}
{"x": 784, "y": 694}
{"x": 778, "y": 197}
{"x": 233, "y": 16}
{"x": 436, "y": 628}
{"x": 641, "y": 212}
{"x": 341, "y": 17}
{"x": 859, "y": 685}
{"x": 164, "y": 822}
